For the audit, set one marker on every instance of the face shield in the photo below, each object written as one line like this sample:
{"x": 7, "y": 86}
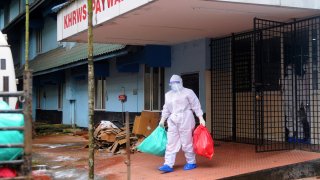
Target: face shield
{"x": 176, "y": 86}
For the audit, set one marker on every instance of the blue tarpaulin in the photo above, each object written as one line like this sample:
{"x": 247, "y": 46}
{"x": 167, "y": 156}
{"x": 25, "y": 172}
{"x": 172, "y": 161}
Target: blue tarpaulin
{"x": 101, "y": 69}
{"x": 151, "y": 55}
{"x": 10, "y": 137}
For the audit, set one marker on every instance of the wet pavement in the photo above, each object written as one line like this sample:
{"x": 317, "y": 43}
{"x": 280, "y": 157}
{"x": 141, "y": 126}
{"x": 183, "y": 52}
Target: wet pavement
{"x": 61, "y": 157}
{"x": 65, "y": 157}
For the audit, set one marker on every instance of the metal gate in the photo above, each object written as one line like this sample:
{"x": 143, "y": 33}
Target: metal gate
{"x": 286, "y": 85}
{"x": 232, "y": 94}
{"x": 265, "y": 86}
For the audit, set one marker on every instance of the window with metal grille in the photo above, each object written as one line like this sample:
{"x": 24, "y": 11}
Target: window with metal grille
{"x": 268, "y": 68}
{"x": 242, "y": 64}
{"x": 39, "y": 41}
{"x": 100, "y": 93}
{"x": 3, "y": 64}
{"x": 6, "y": 87}
{"x": 60, "y": 96}
{"x": 153, "y": 88}
{"x": 315, "y": 70}
{"x": 38, "y": 105}
{"x": 5, "y": 83}
{"x": 191, "y": 81}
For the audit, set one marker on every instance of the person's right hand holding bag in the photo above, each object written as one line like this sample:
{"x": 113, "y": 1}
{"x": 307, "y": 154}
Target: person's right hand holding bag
{"x": 202, "y": 141}
{"x": 202, "y": 121}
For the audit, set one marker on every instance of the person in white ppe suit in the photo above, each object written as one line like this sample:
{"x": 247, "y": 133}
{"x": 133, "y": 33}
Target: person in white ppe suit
{"x": 180, "y": 103}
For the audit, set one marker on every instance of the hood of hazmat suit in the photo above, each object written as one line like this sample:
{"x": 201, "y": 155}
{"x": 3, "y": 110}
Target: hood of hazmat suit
{"x": 176, "y": 83}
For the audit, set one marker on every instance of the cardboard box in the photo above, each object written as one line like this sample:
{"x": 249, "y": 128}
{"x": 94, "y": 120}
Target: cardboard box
{"x": 108, "y": 136}
{"x": 146, "y": 123}
{"x": 137, "y": 129}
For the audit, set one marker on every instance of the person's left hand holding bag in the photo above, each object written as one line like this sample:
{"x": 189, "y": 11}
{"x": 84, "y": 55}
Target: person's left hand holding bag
{"x": 161, "y": 123}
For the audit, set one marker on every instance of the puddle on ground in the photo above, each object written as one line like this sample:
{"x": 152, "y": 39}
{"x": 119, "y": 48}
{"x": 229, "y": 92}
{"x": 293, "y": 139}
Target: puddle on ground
{"x": 52, "y": 146}
{"x": 55, "y": 167}
{"x": 60, "y": 173}
{"x": 65, "y": 158}
{"x": 72, "y": 174}
{"x": 104, "y": 153}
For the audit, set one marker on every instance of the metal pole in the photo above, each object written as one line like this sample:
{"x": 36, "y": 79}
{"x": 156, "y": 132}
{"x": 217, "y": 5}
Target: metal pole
{"x": 26, "y": 66}
{"x": 123, "y": 118}
{"x": 91, "y": 90}
{"x": 122, "y": 106}
{"x": 27, "y": 111}
{"x": 128, "y": 146}
{"x": 27, "y": 108}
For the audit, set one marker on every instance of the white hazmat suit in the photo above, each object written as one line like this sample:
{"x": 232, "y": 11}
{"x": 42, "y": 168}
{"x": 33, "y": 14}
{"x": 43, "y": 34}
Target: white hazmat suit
{"x": 180, "y": 103}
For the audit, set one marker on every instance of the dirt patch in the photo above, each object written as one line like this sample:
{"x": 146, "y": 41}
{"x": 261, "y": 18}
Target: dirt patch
{"x": 65, "y": 155}
{"x": 58, "y": 139}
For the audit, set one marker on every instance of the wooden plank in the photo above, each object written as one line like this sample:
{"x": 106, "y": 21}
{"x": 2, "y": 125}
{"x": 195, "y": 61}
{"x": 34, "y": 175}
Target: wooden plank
{"x": 109, "y": 148}
{"x": 122, "y": 141}
{"x": 110, "y": 137}
{"x": 115, "y": 145}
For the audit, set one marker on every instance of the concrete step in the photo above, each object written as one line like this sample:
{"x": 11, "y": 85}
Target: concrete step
{"x": 303, "y": 170}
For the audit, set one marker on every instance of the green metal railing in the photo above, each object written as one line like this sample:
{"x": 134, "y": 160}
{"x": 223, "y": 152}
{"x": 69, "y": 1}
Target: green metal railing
{"x": 26, "y": 161}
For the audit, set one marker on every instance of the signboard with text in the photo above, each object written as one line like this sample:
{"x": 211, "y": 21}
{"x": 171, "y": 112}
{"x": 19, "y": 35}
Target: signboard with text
{"x": 74, "y": 17}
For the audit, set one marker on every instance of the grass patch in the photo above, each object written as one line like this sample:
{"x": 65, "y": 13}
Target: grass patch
{"x": 43, "y": 128}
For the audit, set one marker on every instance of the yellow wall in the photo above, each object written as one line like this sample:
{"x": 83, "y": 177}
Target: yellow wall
{"x": 245, "y": 115}
{"x": 222, "y": 109}
{"x": 222, "y": 104}
{"x": 274, "y": 115}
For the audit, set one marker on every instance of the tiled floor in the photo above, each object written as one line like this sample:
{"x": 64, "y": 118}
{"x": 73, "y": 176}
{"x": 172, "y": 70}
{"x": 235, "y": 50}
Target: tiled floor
{"x": 230, "y": 159}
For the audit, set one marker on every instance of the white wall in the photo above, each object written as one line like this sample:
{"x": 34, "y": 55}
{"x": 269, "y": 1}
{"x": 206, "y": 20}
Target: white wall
{"x": 34, "y": 102}
{"x": 67, "y": 96}
{"x": 81, "y": 103}
{"x": 129, "y": 81}
{"x": 49, "y": 35}
{"x": 76, "y": 88}
{"x": 32, "y": 44}
{"x": 190, "y": 57}
{"x": 51, "y": 97}
{"x": 186, "y": 58}
{"x": 22, "y": 48}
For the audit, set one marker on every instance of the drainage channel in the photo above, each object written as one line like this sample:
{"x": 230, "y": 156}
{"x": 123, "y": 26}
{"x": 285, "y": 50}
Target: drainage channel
{"x": 292, "y": 171}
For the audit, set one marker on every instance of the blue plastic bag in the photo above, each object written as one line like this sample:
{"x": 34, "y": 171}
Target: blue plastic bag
{"x": 155, "y": 143}
{"x": 10, "y": 137}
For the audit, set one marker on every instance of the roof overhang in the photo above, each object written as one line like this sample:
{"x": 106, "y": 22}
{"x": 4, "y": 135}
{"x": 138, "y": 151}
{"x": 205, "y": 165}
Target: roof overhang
{"x": 67, "y": 57}
{"x": 171, "y": 21}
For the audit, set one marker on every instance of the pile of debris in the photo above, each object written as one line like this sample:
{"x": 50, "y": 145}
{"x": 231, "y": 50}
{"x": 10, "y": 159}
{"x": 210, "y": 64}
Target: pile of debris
{"x": 112, "y": 138}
